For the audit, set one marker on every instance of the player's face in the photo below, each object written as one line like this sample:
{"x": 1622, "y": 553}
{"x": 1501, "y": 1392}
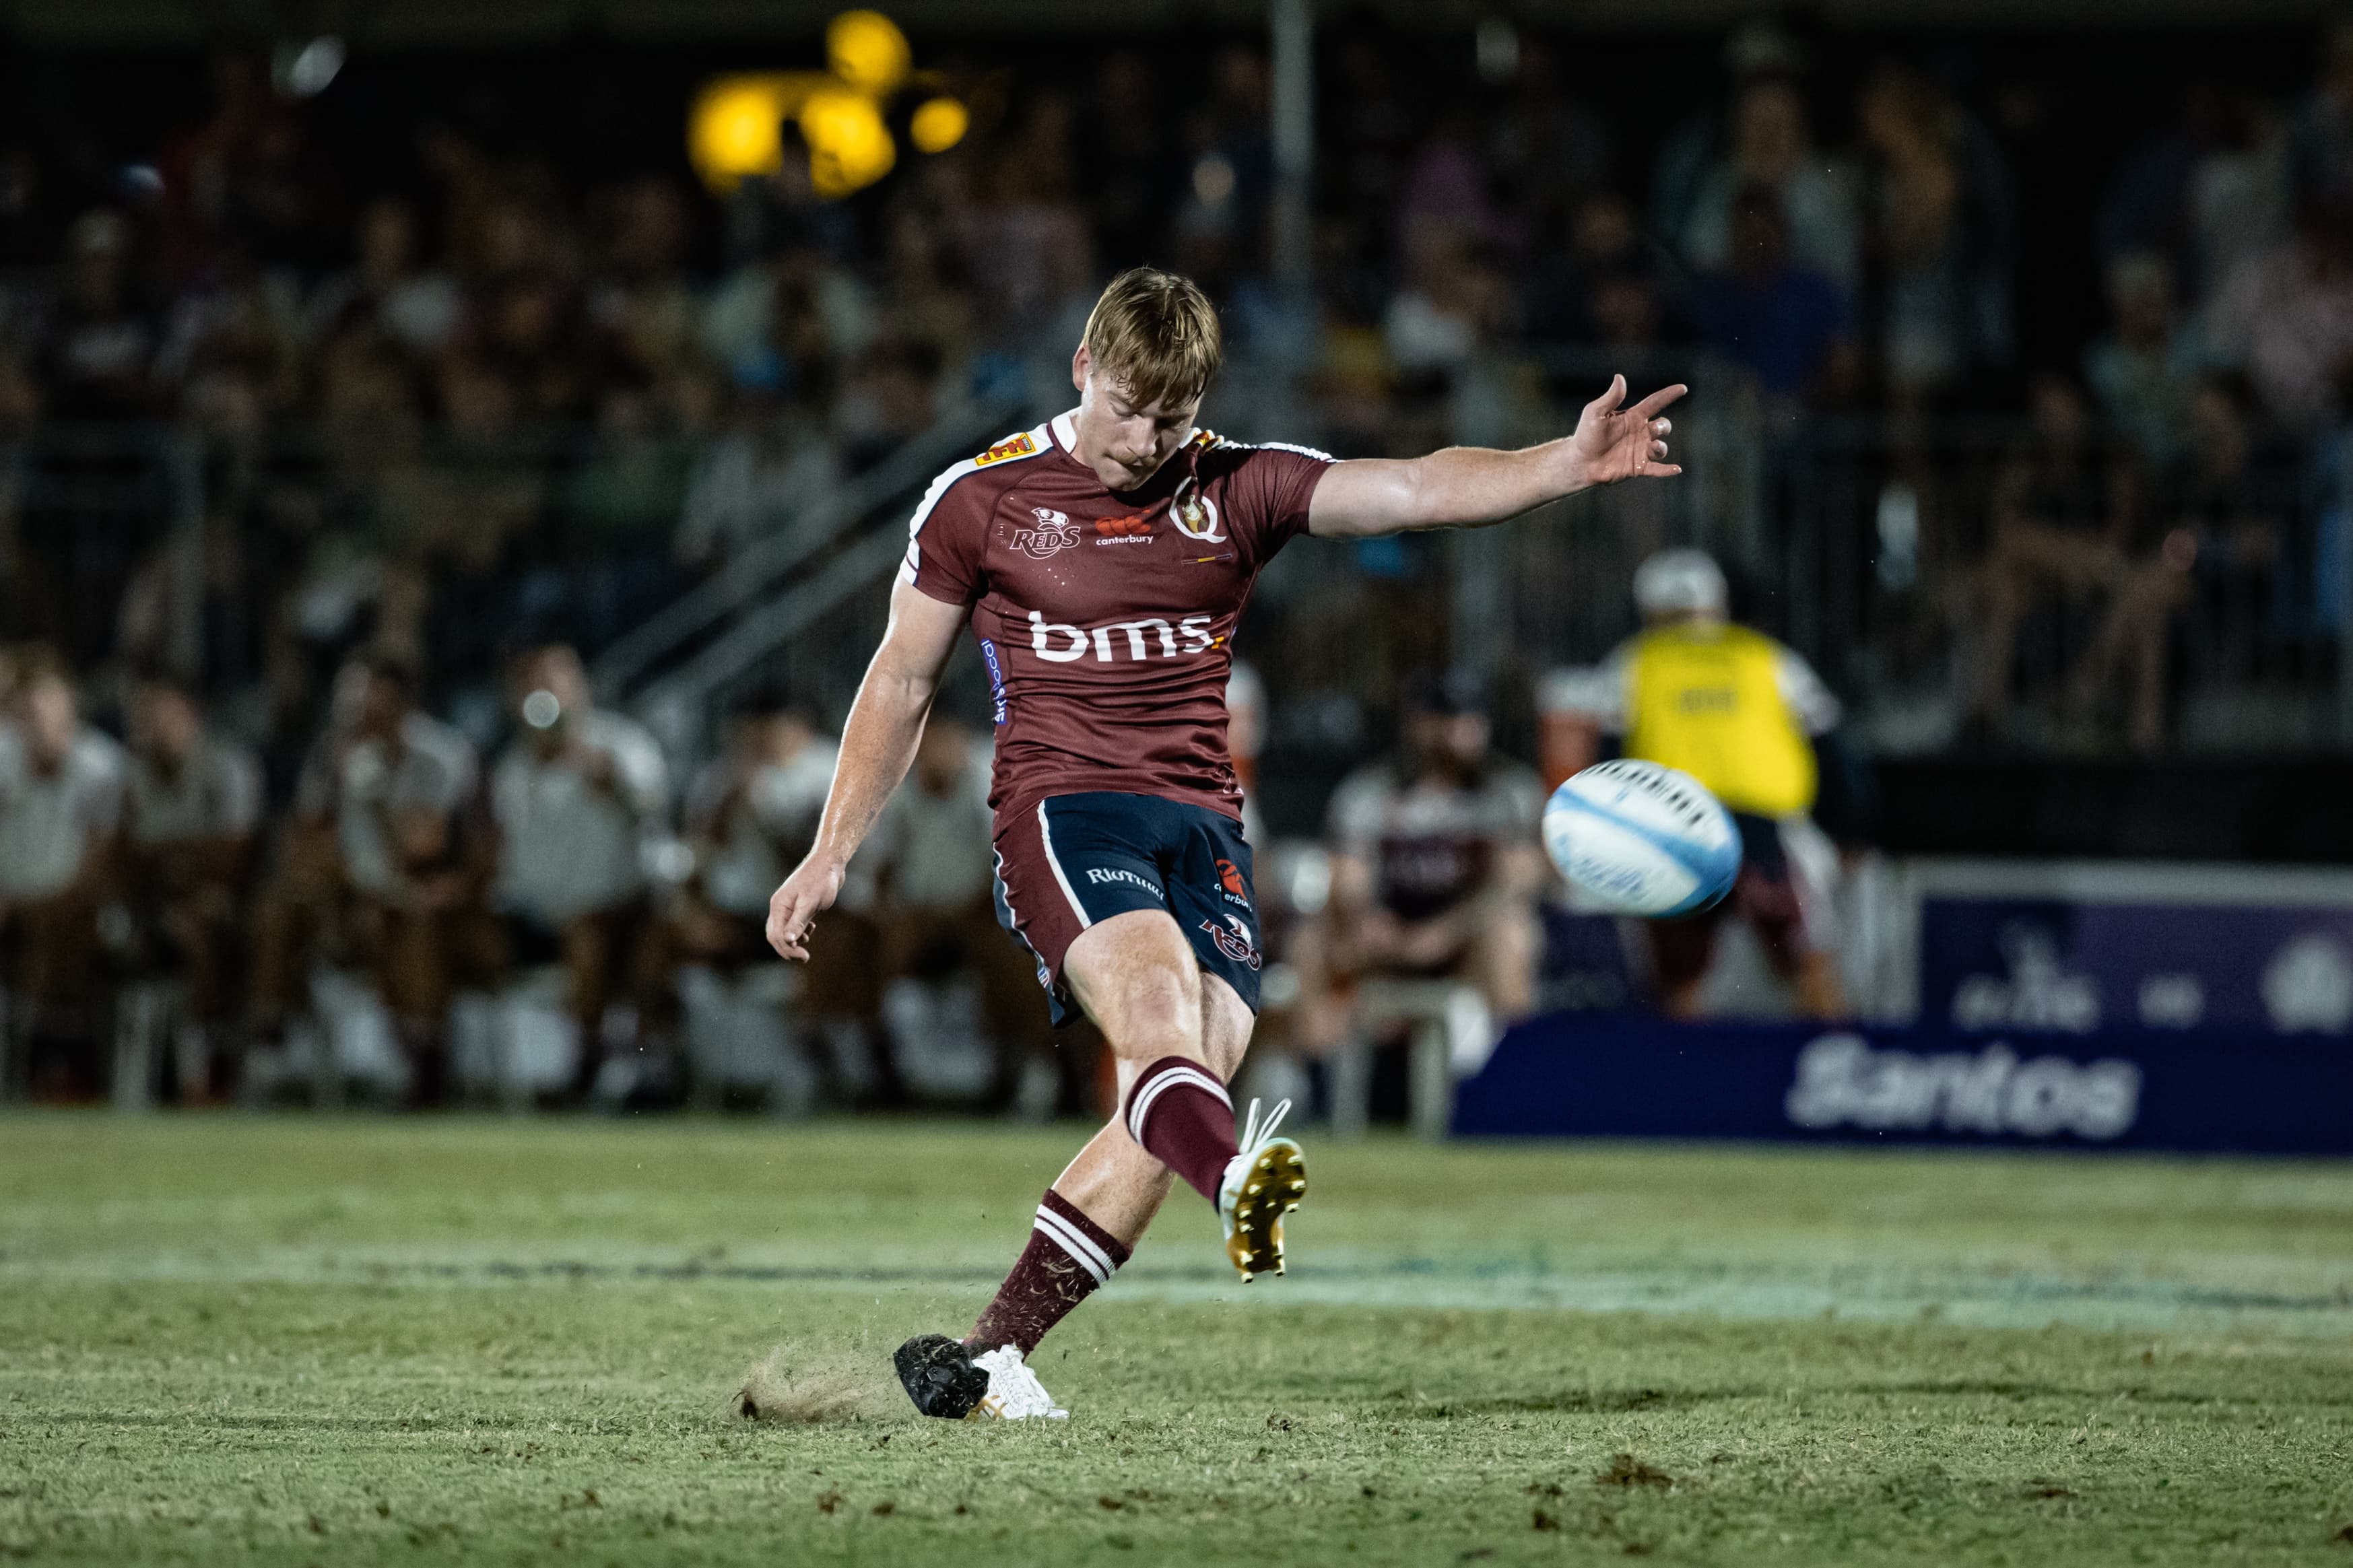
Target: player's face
{"x": 1123, "y": 440}
{"x": 1447, "y": 742}
{"x": 163, "y": 724}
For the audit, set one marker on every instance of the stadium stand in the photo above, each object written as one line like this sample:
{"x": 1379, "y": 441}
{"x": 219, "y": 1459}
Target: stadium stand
{"x": 313, "y": 431}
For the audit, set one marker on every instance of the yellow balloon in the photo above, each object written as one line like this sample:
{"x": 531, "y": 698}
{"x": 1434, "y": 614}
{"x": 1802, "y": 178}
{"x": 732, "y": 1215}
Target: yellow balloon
{"x": 939, "y": 124}
{"x": 866, "y": 51}
{"x": 849, "y": 147}
{"x": 734, "y": 131}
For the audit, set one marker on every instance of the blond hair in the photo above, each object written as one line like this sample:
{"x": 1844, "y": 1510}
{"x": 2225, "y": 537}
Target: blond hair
{"x": 1154, "y": 335}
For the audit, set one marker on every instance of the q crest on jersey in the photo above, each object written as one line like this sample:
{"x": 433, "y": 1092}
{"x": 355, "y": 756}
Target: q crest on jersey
{"x": 1194, "y": 513}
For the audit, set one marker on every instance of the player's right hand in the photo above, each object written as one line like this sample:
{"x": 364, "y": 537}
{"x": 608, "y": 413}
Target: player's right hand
{"x": 792, "y": 907}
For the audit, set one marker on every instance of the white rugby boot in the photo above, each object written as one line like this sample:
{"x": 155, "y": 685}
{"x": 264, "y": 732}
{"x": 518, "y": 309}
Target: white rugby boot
{"x": 1014, "y": 1391}
{"x": 1262, "y": 1184}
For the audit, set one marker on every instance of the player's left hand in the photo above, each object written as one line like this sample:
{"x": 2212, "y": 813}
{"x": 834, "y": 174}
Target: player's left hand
{"x": 1613, "y": 442}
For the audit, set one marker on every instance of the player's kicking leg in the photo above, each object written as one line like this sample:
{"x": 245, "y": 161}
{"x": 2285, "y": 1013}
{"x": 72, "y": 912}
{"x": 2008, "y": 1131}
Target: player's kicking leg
{"x": 1179, "y": 1033}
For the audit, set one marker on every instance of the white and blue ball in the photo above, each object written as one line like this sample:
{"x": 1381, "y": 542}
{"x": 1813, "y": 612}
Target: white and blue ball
{"x": 1641, "y": 839}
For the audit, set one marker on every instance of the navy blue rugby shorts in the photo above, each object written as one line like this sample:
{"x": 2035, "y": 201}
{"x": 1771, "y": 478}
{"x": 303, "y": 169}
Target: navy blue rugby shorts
{"x": 1073, "y": 860}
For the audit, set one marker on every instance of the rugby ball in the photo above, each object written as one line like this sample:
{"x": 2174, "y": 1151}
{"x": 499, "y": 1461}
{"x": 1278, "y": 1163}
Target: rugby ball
{"x": 1641, "y": 839}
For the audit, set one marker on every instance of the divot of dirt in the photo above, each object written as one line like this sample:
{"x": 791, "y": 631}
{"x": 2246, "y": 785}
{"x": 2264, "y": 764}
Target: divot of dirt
{"x": 794, "y": 1385}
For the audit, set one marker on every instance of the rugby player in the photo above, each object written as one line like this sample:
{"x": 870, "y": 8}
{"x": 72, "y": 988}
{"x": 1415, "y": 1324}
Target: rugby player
{"x": 1101, "y": 560}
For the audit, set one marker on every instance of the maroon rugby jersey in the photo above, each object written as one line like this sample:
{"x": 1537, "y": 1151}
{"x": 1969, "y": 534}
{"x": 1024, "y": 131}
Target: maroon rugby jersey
{"x": 1107, "y": 618}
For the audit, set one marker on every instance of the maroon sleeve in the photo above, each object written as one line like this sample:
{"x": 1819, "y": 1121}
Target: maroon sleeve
{"x": 946, "y": 537}
{"x": 1269, "y": 493}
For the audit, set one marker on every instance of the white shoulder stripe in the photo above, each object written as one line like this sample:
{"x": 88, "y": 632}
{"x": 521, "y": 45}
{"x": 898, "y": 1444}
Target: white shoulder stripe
{"x": 1217, "y": 440}
{"x": 1001, "y": 452}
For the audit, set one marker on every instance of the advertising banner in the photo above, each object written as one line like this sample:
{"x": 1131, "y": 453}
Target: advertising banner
{"x": 2006, "y": 964}
{"x": 1630, "y": 1076}
{"x": 2080, "y": 949}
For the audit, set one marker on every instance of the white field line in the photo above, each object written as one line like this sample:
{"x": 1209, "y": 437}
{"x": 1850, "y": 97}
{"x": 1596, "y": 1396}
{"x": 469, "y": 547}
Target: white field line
{"x": 2285, "y": 1296}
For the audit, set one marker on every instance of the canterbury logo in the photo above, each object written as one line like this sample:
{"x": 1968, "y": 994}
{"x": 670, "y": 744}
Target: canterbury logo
{"x": 1231, "y": 875}
{"x": 1149, "y": 636}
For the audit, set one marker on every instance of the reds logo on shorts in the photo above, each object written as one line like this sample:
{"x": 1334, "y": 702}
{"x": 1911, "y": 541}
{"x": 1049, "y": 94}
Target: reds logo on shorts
{"x": 1235, "y": 944}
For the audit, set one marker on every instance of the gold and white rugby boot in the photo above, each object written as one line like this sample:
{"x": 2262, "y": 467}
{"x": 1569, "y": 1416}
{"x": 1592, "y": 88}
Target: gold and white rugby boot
{"x": 1262, "y": 1184}
{"x": 1014, "y": 1391}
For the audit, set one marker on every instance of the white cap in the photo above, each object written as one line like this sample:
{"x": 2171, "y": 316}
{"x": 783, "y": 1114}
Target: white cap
{"x": 1680, "y": 581}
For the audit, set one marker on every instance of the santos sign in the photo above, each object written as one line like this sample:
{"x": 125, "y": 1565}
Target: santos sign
{"x": 1620, "y": 1075}
{"x": 1842, "y": 1082}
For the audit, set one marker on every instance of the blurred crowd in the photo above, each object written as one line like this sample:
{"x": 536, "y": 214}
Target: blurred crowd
{"x": 291, "y": 382}
{"x": 160, "y": 933}
{"x": 333, "y": 450}
{"x": 566, "y": 923}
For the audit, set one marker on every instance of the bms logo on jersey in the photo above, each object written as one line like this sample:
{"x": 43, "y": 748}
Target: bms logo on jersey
{"x": 1148, "y": 636}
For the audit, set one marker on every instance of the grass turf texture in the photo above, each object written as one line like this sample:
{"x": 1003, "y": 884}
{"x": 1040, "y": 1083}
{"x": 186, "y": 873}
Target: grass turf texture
{"x": 294, "y": 1341}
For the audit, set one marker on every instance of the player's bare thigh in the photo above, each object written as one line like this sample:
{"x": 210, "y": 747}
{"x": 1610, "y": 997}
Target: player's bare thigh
{"x": 1112, "y": 1181}
{"x": 1137, "y": 976}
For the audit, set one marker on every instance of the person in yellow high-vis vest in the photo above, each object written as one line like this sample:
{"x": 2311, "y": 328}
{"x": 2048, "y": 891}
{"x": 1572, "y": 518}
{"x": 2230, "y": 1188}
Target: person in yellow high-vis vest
{"x": 1740, "y": 713}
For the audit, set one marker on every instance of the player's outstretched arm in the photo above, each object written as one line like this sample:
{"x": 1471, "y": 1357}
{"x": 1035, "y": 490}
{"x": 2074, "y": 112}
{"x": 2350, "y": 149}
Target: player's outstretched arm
{"x": 1467, "y": 487}
{"x": 877, "y": 745}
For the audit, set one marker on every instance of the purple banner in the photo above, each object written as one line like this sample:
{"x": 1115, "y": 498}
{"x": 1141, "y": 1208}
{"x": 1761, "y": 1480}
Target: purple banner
{"x": 1630, "y": 1076}
{"x": 1991, "y": 964}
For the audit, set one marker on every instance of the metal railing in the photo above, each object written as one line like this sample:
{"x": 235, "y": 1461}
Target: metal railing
{"x": 82, "y": 508}
{"x": 1864, "y": 541}
{"x": 631, "y": 668}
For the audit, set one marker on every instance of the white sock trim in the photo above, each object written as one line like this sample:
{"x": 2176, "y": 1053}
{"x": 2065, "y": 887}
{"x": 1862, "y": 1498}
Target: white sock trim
{"x": 1139, "y": 1107}
{"x": 1074, "y": 1241}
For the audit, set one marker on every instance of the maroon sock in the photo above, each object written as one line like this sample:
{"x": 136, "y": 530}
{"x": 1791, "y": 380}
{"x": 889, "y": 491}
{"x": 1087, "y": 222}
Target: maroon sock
{"x": 1069, "y": 1256}
{"x": 1179, "y": 1112}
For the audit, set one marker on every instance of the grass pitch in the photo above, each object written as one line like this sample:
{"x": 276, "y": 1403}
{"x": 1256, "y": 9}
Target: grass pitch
{"x": 282, "y": 1340}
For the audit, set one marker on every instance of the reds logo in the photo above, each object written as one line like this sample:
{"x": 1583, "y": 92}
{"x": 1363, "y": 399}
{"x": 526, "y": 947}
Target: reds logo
{"x": 1195, "y": 514}
{"x": 1054, "y": 532}
{"x": 1235, "y": 944}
